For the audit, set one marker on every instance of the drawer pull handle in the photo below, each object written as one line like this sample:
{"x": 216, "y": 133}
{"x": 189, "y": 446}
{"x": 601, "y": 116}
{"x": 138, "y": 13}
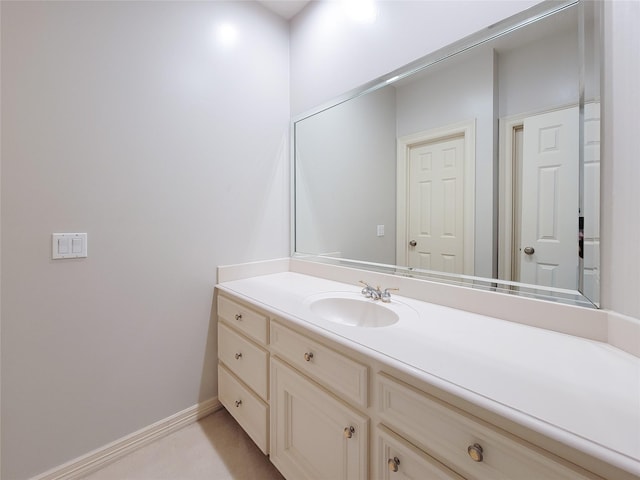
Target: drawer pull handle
{"x": 238, "y": 316}
{"x": 348, "y": 432}
{"x": 238, "y": 403}
{"x": 308, "y": 356}
{"x": 238, "y": 356}
{"x": 475, "y": 452}
{"x": 393, "y": 464}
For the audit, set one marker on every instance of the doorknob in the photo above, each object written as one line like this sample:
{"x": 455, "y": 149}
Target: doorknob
{"x": 413, "y": 243}
{"x": 529, "y": 250}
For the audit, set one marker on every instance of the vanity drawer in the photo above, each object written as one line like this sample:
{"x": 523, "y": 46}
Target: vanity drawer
{"x": 249, "y": 411}
{"x": 244, "y": 358}
{"x": 254, "y": 324}
{"x": 398, "y": 460}
{"x": 453, "y": 436}
{"x": 344, "y": 376}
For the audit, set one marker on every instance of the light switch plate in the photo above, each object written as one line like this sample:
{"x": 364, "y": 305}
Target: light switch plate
{"x": 68, "y": 245}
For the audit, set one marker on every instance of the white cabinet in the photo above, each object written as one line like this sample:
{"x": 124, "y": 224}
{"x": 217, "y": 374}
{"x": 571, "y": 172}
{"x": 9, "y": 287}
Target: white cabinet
{"x": 399, "y": 460}
{"x": 313, "y": 434}
{"x": 246, "y": 407}
{"x": 464, "y": 443}
{"x": 339, "y": 373}
{"x": 251, "y": 322}
{"x": 305, "y": 399}
{"x": 245, "y": 359}
{"x": 243, "y": 367}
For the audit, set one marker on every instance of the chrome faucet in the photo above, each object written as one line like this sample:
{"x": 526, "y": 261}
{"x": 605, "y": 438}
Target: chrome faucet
{"x": 370, "y": 292}
{"x": 386, "y": 296}
{"x": 375, "y": 293}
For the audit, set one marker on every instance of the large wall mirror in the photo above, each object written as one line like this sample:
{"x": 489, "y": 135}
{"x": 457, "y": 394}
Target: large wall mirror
{"x": 478, "y": 164}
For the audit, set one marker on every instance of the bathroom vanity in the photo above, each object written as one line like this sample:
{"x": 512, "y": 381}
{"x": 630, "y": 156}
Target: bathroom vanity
{"x": 412, "y": 389}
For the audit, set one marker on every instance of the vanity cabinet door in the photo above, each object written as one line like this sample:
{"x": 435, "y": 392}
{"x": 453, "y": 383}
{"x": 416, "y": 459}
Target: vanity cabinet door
{"x": 314, "y": 435}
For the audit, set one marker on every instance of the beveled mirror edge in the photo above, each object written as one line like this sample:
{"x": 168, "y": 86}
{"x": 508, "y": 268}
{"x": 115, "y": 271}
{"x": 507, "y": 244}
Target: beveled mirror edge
{"x": 503, "y": 27}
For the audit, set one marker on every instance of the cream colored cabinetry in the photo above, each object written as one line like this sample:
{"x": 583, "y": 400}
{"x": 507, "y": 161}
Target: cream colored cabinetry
{"x": 313, "y": 434}
{"x": 345, "y": 377}
{"x": 400, "y": 460}
{"x": 243, "y": 367}
{"x": 307, "y": 402}
{"x": 316, "y": 432}
{"x": 467, "y": 445}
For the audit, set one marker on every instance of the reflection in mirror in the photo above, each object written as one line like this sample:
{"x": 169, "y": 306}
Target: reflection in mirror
{"x": 478, "y": 165}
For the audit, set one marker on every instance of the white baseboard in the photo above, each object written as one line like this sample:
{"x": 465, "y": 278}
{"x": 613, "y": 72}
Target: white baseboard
{"x": 111, "y": 452}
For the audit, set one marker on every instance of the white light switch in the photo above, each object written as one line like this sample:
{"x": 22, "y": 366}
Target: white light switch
{"x": 381, "y": 230}
{"x": 76, "y": 245}
{"x": 68, "y": 245}
{"x": 63, "y": 245}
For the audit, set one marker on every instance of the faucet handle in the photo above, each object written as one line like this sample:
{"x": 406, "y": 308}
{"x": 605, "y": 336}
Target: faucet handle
{"x": 386, "y": 296}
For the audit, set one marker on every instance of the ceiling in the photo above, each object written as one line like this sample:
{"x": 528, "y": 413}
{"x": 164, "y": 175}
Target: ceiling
{"x": 287, "y": 9}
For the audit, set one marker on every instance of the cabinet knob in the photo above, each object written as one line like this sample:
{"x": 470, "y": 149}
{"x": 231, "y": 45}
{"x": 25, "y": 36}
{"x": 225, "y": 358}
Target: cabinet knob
{"x": 238, "y": 403}
{"x": 475, "y": 452}
{"x": 348, "y": 432}
{"x": 308, "y": 356}
{"x": 238, "y": 355}
{"x": 393, "y": 464}
{"x": 238, "y": 316}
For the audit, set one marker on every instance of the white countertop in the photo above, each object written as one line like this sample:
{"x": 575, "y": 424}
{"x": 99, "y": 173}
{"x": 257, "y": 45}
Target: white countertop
{"x": 580, "y": 392}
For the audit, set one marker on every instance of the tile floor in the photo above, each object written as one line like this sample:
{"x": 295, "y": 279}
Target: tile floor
{"x": 214, "y": 448}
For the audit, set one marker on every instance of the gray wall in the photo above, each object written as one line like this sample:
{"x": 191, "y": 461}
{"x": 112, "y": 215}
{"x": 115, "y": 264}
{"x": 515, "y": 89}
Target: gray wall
{"x": 130, "y": 122}
{"x": 539, "y": 76}
{"x": 620, "y": 262}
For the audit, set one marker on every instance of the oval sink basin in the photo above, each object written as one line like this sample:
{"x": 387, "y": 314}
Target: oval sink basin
{"x": 354, "y": 312}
